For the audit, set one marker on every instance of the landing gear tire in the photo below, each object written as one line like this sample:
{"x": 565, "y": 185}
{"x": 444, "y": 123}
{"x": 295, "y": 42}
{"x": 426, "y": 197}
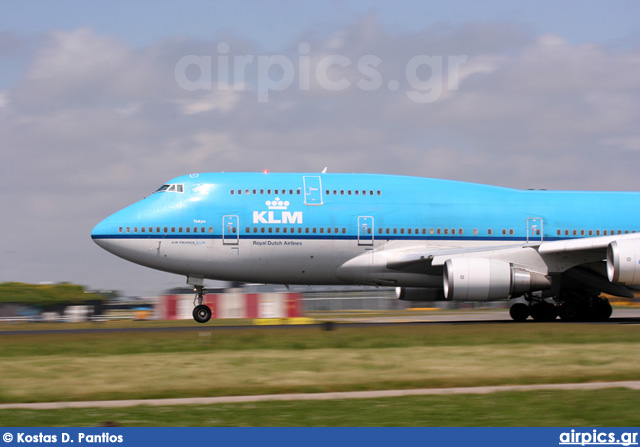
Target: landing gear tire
{"x": 601, "y": 310}
{"x": 571, "y": 312}
{"x": 519, "y": 312}
{"x": 202, "y": 313}
{"x": 543, "y": 311}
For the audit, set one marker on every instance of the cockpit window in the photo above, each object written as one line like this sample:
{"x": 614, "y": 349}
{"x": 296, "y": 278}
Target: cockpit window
{"x": 171, "y": 188}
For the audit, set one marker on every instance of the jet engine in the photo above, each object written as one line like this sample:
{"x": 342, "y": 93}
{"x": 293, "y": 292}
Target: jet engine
{"x": 623, "y": 262}
{"x": 479, "y": 279}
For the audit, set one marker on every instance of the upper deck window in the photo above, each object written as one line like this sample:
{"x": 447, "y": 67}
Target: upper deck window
{"x": 171, "y": 188}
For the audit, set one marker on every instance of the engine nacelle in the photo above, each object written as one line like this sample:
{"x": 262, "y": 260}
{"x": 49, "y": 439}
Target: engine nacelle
{"x": 419, "y": 294}
{"x": 479, "y": 279}
{"x": 623, "y": 262}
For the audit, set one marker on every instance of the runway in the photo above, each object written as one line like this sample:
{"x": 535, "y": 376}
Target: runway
{"x": 334, "y": 322}
{"x": 632, "y": 385}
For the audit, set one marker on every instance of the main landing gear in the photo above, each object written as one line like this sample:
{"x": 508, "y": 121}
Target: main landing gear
{"x": 539, "y": 310}
{"x": 202, "y": 312}
{"x": 570, "y": 307}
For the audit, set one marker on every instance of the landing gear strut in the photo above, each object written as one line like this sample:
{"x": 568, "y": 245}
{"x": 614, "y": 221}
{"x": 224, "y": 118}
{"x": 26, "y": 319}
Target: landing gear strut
{"x": 201, "y": 312}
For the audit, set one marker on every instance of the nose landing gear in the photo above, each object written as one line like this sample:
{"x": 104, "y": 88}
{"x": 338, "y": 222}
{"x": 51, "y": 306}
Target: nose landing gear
{"x": 201, "y": 312}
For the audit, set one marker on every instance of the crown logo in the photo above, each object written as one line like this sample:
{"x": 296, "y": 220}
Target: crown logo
{"x": 277, "y": 204}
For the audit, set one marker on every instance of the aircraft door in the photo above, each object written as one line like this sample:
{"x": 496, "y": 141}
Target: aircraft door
{"x": 535, "y": 229}
{"x": 365, "y": 230}
{"x": 312, "y": 190}
{"x": 230, "y": 230}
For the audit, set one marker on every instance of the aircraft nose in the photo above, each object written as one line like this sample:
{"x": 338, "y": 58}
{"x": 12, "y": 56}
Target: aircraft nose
{"x": 101, "y": 232}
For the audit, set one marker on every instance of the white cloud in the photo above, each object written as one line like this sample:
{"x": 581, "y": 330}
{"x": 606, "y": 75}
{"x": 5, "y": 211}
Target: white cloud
{"x": 4, "y": 99}
{"x": 222, "y": 100}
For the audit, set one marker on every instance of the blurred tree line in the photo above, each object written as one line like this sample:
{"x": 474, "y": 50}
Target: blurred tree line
{"x": 47, "y": 295}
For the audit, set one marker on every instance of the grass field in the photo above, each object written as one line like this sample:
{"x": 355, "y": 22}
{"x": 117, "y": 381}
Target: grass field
{"x": 37, "y": 367}
{"x": 608, "y": 408}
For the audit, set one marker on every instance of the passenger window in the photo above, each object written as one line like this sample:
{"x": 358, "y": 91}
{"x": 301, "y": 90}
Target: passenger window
{"x": 511, "y": 232}
{"x": 490, "y": 231}
{"x": 120, "y": 230}
{"x": 475, "y": 231}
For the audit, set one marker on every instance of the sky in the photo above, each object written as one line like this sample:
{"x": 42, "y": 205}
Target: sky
{"x": 102, "y": 104}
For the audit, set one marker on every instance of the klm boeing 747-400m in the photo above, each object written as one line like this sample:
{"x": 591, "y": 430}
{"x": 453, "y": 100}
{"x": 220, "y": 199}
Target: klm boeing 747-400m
{"x": 431, "y": 239}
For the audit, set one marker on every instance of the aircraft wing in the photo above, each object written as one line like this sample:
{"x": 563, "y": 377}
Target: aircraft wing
{"x": 609, "y": 264}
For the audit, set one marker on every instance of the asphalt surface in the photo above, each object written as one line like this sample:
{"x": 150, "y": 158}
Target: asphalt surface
{"x": 620, "y": 316}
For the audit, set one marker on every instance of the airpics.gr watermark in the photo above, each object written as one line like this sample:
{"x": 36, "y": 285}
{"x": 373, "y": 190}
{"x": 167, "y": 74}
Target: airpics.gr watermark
{"x": 597, "y": 437}
{"x": 425, "y": 78}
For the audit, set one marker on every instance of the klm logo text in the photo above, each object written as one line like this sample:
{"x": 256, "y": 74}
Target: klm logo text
{"x": 274, "y": 217}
